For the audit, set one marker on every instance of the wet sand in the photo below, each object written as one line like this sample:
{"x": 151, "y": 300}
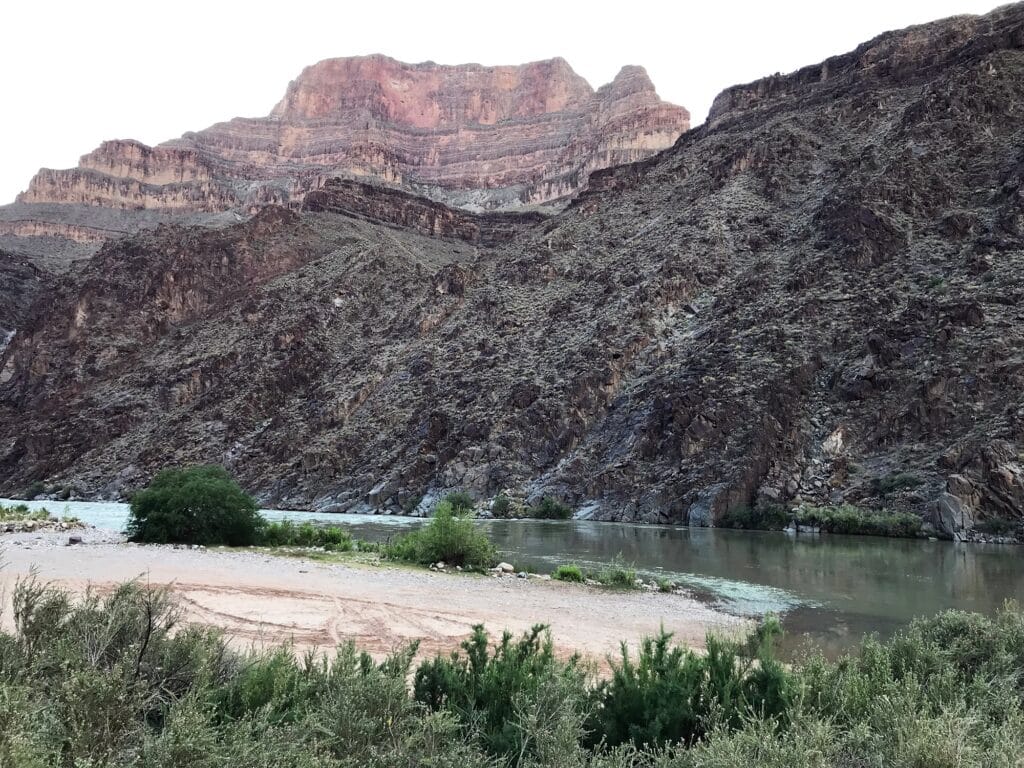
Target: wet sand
{"x": 261, "y": 599}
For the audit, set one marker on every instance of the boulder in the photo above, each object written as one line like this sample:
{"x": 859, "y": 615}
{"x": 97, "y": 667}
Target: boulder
{"x": 952, "y": 517}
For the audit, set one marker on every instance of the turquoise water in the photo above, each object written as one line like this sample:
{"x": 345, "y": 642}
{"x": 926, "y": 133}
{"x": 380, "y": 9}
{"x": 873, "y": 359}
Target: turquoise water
{"x": 830, "y": 589}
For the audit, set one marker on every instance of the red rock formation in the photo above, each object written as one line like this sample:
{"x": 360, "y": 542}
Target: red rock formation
{"x": 483, "y": 138}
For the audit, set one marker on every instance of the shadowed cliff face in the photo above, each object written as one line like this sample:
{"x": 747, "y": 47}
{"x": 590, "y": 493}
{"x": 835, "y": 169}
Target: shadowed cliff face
{"x": 21, "y": 282}
{"x": 482, "y": 138}
{"x": 819, "y": 289}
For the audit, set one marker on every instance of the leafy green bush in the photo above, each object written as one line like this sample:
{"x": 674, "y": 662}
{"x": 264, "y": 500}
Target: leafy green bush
{"x": 671, "y": 694}
{"x": 285, "y": 533}
{"x": 571, "y": 572}
{"x": 853, "y": 520}
{"x": 448, "y": 537}
{"x": 766, "y": 517}
{"x": 198, "y": 505}
{"x": 460, "y": 501}
{"x": 35, "y": 489}
{"x": 550, "y": 509}
{"x": 998, "y": 526}
{"x": 665, "y": 585}
{"x": 501, "y": 506}
{"x": 895, "y": 481}
{"x": 492, "y": 689}
{"x": 617, "y": 574}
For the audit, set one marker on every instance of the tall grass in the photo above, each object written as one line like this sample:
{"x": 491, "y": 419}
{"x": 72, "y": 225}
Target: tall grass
{"x": 331, "y": 538}
{"x": 617, "y": 574}
{"x": 568, "y": 572}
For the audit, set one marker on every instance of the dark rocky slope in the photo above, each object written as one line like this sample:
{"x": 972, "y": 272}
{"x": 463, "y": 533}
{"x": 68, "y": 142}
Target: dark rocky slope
{"x": 21, "y": 282}
{"x": 818, "y": 290}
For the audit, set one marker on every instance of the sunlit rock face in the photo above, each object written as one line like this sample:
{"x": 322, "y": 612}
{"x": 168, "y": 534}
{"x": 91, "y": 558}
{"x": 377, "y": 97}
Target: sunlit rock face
{"x": 482, "y": 138}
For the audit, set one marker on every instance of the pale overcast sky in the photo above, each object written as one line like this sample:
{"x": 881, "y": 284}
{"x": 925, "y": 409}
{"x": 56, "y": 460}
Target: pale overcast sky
{"x": 75, "y": 74}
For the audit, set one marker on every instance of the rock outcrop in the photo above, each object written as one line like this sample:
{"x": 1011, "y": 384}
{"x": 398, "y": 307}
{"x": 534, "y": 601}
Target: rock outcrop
{"x": 418, "y": 214}
{"x": 483, "y": 138}
{"x": 814, "y": 298}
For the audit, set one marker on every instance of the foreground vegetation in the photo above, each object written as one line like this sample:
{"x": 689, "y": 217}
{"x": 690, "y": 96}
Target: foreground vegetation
{"x": 116, "y": 680}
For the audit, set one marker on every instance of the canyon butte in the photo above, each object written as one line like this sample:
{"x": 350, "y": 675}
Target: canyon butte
{"x": 482, "y": 138}
{"x": 814, "y": 297}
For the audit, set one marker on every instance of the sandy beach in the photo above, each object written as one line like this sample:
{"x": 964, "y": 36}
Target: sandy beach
{"x": 262, "y": 599}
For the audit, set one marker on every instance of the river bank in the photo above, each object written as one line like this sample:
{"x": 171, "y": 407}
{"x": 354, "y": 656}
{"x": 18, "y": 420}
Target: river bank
{"x": 829, "y": 589}
{"x": 261, "y": 599}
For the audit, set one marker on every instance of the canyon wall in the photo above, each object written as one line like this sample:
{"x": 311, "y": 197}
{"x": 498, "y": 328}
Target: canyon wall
{"x": 816, "y": 298}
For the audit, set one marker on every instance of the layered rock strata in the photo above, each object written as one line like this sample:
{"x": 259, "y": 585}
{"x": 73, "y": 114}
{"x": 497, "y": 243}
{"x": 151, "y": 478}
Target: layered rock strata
{"x": 483, "y": 138}
{"x": 418, "y": 214}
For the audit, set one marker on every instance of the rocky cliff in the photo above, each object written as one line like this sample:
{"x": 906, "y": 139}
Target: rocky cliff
{"x": 815, "y": 297}
{"x": 483, "y": 138}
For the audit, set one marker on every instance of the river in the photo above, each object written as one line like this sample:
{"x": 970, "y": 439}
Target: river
{"x": 829, "y": 589}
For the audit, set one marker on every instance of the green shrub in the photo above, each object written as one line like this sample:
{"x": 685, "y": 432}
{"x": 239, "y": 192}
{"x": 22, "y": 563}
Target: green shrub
{"x": 550, "y": 509}
{"x": 672, "y": 694}
{"x": 198, "y": 505}
{"x": 461, "y": 502}
{"x": 617, "y": 574}
{"x": 853, "y": 520}
{"x": 766, "y": 517}
{"x": 35, "y": 489}
{"x": 278, "y": 534}
{"x": 998, "y": 526}
{"x": 895, "y": 481}
{"x": 448, "y": 537}
{"x": 571, "y": 572}
{"x": 501, "y": 506}
{"x": 665, "y": 585}
{"x": 494, "y": 689}
{"x": 331, "y": 538}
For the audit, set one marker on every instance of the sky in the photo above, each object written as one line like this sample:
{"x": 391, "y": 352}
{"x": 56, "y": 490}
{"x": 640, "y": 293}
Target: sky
{"x": 77, "y": 73}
